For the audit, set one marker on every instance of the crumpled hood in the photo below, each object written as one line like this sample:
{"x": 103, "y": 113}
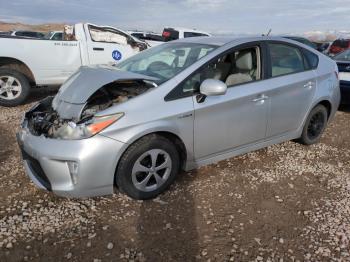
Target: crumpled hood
{"x": 88, "y": 79}
{"x": 74, "y": 93}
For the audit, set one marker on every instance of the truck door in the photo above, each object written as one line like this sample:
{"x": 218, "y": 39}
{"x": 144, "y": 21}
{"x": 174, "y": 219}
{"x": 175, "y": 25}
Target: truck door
{"x": 107, "y": 45}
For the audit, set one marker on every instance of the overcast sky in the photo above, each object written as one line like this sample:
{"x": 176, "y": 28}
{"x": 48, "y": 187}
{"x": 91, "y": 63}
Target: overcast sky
{"x": 215, "y": 16}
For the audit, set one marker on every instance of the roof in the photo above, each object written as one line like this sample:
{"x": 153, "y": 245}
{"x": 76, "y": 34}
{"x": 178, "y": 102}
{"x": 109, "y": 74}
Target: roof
{"x": 220, "y": 41}
{"x": 216, "y": 40}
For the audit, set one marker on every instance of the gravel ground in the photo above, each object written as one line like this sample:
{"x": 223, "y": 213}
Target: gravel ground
{"x": 286, "y": 202}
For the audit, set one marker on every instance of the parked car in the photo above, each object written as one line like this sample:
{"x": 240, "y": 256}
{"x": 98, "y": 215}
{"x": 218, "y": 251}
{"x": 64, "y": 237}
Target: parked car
{"x": 54, "y": 35}
{"x": 5, "y": 33}
{"x": 302, "y": 40}
{"x": 170, "y": 34}
{"x": 343, "y": 62}
{"x": 339, "y": 46}
{"x": 31, "y": 62}
{"x": 152, "y": 39}
{"x": 27, "y": 34}
{"x": 324, "y": 47}
{"x": 179, "y": 105}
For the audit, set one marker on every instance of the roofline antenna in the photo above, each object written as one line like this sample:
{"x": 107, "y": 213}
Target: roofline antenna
{"x": 268, "y": 33}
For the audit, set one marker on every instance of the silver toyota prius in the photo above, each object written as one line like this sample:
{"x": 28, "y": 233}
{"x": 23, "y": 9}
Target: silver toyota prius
{"x": 174, "y": 107}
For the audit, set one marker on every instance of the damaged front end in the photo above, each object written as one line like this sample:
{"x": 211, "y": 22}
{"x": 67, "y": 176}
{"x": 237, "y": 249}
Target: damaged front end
{"x": 71, "y": 114}
{"x": 43, "y": 120}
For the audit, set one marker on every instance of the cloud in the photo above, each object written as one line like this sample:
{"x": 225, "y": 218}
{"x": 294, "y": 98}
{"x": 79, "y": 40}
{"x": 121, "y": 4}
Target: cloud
{"x": 207, "y": 4}
{"x": 216, "y": 16}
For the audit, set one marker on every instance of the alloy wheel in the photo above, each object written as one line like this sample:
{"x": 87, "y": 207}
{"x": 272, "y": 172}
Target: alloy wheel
{"x": 151, "y": 170}
{"x": 10, "y": 87}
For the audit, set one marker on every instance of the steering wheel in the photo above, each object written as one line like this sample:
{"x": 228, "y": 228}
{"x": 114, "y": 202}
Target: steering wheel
{"x": 157, "y": 66}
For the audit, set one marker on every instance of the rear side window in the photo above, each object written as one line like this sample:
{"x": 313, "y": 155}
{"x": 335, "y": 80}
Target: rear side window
{"x": 285, "y": 59}
{"x": 311, "y": 59}
{"x": 27, "y": 34}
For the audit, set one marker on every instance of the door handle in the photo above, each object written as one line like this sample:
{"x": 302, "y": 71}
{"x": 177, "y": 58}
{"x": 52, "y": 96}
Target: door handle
{"x": 98, "y": 49}
{"x": 260, "y": 98}
{"x": 309, "y": 85}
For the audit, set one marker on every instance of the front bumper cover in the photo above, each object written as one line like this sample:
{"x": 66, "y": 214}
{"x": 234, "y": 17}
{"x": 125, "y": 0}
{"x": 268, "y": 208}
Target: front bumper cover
{"x": 45, "y": 162}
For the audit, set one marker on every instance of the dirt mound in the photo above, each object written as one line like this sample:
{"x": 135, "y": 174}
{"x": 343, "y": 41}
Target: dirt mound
{"x": 19, "y": 26}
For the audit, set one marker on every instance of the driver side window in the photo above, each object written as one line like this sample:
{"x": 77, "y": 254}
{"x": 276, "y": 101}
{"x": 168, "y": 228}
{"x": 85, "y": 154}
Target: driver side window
{"x": 238, "y": 67}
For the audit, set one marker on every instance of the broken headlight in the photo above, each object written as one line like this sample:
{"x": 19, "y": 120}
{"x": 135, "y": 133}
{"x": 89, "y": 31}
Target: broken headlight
{"x": 87, "y": 128}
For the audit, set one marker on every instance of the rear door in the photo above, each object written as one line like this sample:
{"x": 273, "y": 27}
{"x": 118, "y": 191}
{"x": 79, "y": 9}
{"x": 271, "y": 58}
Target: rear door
{"x": 291, "y": 87}
{"x": 108, "y": 46}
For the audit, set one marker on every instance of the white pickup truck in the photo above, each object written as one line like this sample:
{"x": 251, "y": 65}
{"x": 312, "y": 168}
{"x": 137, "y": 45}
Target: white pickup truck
{"x": 25, "y": 63}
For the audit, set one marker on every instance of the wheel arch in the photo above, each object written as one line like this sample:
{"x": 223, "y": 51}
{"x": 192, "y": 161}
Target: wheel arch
{"x": 172, "y": 137}
{"x": 179, "y": 144}
{"x": 18, "y": 65}
{"x": 327, "y": 104}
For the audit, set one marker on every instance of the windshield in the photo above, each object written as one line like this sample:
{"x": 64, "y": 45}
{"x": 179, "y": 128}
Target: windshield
{"x": 344, "y": 56}
{"x": 165, "y": 61}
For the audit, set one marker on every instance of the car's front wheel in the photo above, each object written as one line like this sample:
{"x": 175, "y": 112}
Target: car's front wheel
{"x": 148, "y": 167}
{"x": 315, "y": 125}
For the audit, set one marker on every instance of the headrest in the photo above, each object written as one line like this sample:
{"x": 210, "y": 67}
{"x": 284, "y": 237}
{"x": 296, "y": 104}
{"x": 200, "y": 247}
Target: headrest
{"x": 244, "y": 60}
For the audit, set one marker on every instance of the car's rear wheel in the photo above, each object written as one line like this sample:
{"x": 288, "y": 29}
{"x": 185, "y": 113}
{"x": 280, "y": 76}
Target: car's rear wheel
{"x": 148, "y": 167}
{"x": 314, "y": 126}
{"x": 14, "y": 87}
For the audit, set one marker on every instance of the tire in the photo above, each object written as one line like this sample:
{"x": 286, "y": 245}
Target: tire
{"x": 19, "y": 89}
{"x": 314, "y": 126}
{"x": 138, "y": 176}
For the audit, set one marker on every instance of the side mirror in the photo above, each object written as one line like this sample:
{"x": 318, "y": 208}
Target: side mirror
{"x": 213, "y": 87}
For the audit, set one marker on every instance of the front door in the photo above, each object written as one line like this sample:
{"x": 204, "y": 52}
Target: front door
{"x": 108, "y": 46}
{"x": 232, "y": 120}
{"x": 239, "y": 117}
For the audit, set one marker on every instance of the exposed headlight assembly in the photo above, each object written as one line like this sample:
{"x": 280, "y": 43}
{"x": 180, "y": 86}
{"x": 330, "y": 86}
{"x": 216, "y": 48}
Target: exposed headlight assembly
{"x": 86, "y": 129}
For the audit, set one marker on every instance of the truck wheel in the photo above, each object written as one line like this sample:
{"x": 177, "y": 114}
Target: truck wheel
{"x": 314, "y": 126}
{"x": 148, "y": 167}
{"x": 14, "y": 87}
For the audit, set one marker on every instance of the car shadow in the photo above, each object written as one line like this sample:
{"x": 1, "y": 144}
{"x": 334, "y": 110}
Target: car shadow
{"x": 167, "y": 229}
{"x": 39, "y": 93}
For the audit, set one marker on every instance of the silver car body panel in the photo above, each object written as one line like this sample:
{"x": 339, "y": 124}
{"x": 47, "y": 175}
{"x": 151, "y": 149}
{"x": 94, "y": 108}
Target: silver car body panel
{"x": 97, "y": 158}
{"x": 219, "y": 128}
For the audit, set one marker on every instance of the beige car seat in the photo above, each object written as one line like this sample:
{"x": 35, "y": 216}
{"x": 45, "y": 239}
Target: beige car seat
{"x": 244, "y": 65}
